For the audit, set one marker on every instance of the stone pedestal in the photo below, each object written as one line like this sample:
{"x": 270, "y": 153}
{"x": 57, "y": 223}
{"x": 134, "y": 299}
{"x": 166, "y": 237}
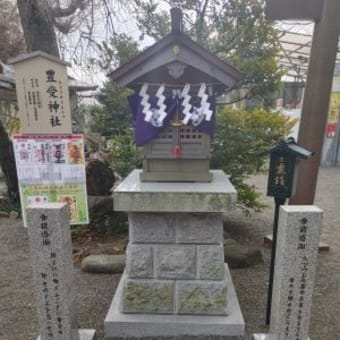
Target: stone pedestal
{"x": 175, "y": 261}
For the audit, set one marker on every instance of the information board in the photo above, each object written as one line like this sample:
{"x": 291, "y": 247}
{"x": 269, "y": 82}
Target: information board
{"x": 42, "y": 92}
{"x": 51, "y": 168}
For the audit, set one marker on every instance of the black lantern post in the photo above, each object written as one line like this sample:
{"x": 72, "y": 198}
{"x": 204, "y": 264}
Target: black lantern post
{"x": 283, "y": 170}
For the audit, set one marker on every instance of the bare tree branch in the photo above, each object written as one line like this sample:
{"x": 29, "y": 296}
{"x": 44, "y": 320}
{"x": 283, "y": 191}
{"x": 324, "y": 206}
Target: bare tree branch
{"x": 204, "y": 9}
{"x": 59, "y": 12}
{"x": 200, "y": 22}
{"x": 63, "y": 27}
{"x": 109, "y": 15}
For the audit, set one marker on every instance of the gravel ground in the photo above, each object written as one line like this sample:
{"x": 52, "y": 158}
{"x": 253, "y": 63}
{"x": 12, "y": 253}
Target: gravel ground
{"x": 18, "y": 319}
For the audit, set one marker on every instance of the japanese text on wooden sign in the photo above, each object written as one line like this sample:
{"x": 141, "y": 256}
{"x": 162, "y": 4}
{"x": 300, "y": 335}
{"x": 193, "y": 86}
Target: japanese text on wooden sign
{"x": 43, "y": 98}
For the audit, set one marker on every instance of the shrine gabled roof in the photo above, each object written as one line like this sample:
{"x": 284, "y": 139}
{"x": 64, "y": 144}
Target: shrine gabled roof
{"x": 200, "y": 64}
{"x": 34, "y": 54}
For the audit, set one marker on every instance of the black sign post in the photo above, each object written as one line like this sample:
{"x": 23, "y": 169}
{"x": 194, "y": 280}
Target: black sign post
{"x": 281, "y": 185}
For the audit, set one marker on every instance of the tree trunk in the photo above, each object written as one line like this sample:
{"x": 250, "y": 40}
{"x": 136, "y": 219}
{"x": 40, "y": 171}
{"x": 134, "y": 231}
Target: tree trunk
{"x": 37, "y": 26}
{"x": 8, "y": 165}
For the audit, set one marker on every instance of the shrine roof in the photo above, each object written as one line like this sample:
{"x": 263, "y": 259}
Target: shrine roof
{"x": 176, "y": 47}
{"x": 31, "y": 55}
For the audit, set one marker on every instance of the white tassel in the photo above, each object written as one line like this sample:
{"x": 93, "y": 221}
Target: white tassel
{"x": 205, "y": 105}
{"x": 186, "y": 104}
{"x": 145, "y": 102}
{"x": 161, "y": 111}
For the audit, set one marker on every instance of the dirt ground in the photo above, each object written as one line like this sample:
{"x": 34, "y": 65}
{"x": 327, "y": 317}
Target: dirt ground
{"x": 18, "y": 319}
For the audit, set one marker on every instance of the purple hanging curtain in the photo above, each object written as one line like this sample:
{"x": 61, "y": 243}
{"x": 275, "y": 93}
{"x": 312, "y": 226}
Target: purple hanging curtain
{"x": 146, "y": 131}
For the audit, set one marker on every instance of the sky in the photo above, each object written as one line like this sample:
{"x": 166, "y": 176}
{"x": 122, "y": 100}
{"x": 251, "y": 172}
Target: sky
{"x": 124, "y": 23}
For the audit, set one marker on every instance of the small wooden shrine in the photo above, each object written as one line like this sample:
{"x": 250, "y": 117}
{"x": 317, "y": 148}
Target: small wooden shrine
{"x": 175, "y": 83}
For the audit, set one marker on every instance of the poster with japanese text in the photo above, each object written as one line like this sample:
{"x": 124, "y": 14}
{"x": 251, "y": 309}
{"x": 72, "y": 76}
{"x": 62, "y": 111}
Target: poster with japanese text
{"x": 52, "y": 169}
{"x": 43, "y": 97}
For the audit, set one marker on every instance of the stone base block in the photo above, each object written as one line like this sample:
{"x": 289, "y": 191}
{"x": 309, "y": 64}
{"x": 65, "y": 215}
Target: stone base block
{"x": 266, "y": 337}
{"x": 147, "y": 296}
{"x": 137, "y": 326}
{"x": 84, "y": 334}
{"x": 202, "y": 298}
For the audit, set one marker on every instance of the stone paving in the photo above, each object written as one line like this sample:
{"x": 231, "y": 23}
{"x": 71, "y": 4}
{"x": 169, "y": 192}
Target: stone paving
{"x": 18, "y": 318}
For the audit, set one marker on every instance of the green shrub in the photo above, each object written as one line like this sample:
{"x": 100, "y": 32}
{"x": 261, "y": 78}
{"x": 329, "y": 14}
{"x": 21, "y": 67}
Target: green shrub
{"x": 113, "y": 115}
{"x": 241, "y": 147}
{"x": 123, "y": 154}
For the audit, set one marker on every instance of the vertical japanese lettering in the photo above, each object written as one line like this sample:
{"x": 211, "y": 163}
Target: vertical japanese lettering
{"x": 280, "y": 172}
{"x": 302, "y": 234}
{"x": 45, "y": 235}
{"x": 54, "y": 99}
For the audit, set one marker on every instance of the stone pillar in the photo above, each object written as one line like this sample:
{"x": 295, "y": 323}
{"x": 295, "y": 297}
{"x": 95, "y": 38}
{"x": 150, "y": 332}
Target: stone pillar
{"x": 51, "y": 253}
{"x": 175, "y": 282}
{"x": 296, "y": 256}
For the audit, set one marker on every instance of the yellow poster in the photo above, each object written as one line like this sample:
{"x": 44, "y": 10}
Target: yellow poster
{"x": 334, "y": 107}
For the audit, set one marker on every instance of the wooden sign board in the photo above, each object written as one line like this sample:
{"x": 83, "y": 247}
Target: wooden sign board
{"x": 294, "y": 9}
{"x": 42, "y": 92}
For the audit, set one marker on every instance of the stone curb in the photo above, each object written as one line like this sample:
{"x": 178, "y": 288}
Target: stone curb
{"x": 106, "y": 264}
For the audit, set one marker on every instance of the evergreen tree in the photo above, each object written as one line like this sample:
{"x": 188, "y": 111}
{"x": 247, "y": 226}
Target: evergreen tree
{"x": 234, "y": 30}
